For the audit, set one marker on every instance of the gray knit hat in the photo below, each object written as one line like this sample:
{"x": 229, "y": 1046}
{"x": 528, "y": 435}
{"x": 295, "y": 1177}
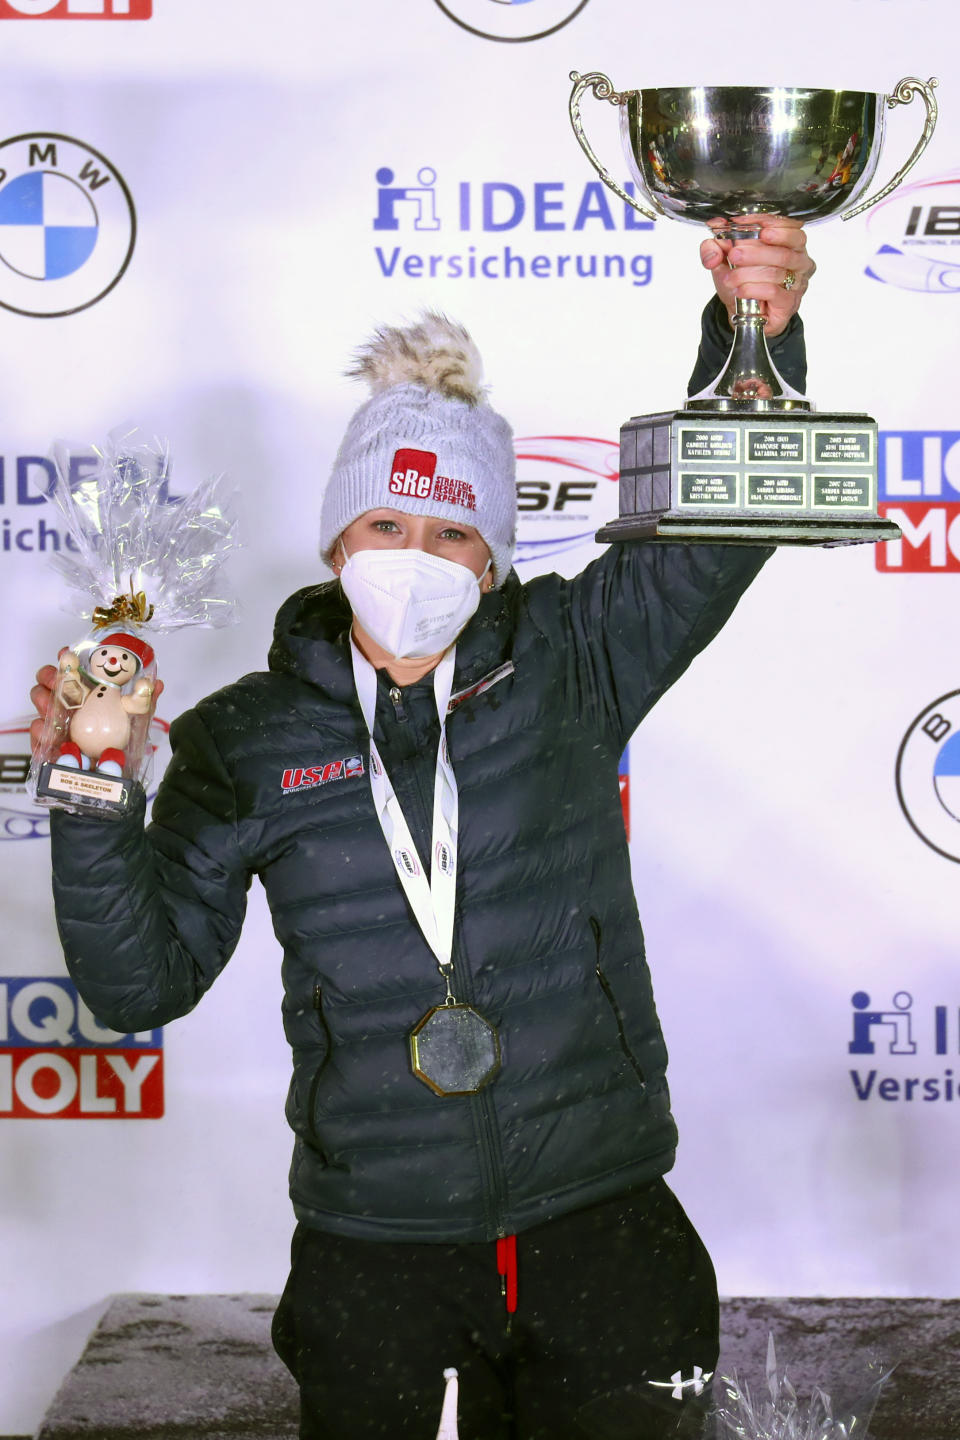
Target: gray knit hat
{"x": 426, "y": 442}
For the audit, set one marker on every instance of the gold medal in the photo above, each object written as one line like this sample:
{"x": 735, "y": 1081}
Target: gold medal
{"x": 454, "y": 1050}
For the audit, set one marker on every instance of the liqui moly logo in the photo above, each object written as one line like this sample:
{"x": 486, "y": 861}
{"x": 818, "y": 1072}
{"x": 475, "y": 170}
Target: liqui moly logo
{"x": 305, "y": 777}
{"x": 76, "y": 9}
{"x": 920, "y": 489}
{"x": 58, "y": 1062}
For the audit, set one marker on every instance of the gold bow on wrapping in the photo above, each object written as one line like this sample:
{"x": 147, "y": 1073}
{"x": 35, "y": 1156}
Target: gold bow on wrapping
{"x": 132, "y": 608}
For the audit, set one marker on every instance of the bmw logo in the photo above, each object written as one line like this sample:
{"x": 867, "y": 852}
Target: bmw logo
{"x": 928, "y": 775}
{"x": 67, "y": 225}
{"x": 511, "y": 20}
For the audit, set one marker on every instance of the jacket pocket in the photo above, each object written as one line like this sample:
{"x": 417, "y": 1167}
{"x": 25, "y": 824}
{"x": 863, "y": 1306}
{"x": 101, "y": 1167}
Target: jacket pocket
{"x": 611, "y": 1000}
{"x": 313, "y": 1136}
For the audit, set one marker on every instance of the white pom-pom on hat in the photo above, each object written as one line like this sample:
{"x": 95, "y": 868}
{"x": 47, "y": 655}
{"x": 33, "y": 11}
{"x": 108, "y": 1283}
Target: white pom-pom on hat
{"x": 428, "y": 409}
{"x": 436, "y": 353}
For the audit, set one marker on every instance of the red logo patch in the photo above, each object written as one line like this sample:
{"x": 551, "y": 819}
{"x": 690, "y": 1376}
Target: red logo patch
{"x": 76, "y": 9}
{"x": 304, "y": 777}
{"x": 414, "y": 472}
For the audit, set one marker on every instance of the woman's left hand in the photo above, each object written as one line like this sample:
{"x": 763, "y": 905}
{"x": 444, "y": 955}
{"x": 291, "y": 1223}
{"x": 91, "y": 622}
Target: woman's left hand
{"x": 761, "y": 268}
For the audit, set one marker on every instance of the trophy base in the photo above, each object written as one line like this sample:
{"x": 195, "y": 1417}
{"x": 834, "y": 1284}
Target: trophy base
{"x": 712, "y": 530}
{"x": 83, "y": 790}
{"x": 749, "y": 478}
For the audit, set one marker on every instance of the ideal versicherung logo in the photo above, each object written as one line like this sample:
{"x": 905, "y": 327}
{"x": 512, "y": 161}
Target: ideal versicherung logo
{"x": 511, "y": 20}
{"x": 67, "y": 225}
{"x": 898, "y": 1047}
{"x": 434, "y": 226}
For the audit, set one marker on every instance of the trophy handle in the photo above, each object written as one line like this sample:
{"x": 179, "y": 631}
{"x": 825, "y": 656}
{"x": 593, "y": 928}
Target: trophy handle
{"x": 603, "y": 90}
{"x": 902, "y": 95}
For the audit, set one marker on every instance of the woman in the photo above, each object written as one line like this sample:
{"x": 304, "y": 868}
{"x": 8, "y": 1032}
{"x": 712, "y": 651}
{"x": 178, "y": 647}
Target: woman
{"x": 426, "y": 783}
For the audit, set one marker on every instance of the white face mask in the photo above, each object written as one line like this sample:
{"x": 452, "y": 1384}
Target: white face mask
{"x": 412, "y": 603}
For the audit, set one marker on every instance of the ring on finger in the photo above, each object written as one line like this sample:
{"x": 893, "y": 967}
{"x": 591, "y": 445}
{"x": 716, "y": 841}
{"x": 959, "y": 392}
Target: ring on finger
{"x": 789, "y": 279}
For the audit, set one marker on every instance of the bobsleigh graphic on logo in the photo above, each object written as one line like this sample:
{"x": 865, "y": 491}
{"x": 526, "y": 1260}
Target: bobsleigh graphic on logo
{"x": 913, "y": 272}
{"x": 511, "y": 20}
{"x": 918, "y": 230}
{"x": 566, "y": 489}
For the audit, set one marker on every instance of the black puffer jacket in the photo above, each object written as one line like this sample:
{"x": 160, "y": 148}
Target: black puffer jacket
{"x": 548, "y": 944}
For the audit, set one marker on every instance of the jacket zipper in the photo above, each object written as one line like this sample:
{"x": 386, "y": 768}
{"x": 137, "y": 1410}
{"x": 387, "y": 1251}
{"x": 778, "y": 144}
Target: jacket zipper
{"x": 489, "y": 1143}
{"x": 488, "y": 1134}
{"x": 612, "y": 1002}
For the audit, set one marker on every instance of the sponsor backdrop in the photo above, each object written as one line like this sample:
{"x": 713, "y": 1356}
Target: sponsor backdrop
{"x": 203, "y": 208}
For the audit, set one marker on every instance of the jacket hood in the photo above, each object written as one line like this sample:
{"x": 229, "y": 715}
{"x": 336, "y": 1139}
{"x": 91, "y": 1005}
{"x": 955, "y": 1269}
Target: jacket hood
{"x": 312, "y": 629}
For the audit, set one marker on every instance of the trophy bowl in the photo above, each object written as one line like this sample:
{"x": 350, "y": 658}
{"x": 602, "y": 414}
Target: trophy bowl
{"x": 711, "y": 152}
{"x": 717, "y": 155}
{"x": 748, "y": 458}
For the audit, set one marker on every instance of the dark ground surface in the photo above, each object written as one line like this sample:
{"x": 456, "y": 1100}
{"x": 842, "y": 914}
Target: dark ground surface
{"x": 200, "y": 1367}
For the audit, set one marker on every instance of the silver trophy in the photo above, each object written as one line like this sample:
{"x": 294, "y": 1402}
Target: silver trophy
{"x": 750, "y": 460}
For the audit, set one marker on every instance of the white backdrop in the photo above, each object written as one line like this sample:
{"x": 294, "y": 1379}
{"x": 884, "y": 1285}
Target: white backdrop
{"x": 776, "y": 869}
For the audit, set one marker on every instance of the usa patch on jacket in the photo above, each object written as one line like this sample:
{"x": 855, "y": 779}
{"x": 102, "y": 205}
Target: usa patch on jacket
{"x": 305, "y": 776}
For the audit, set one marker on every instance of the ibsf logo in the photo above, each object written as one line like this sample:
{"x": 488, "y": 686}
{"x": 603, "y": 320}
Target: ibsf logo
{"x": 566, "y": 489}
{"x": 511, "y": 20}
{"x": 57, "y": 1062}
{"x": 21, "y": 818}
{"x": 900, "y": 1031}
{"x": 67, "y": 225}
{"x": 919, "y": 233}
{"x": 76, "y": 9}
{"x": 928, "y": 775}
{"x": 919, "y": 488}
{"x": 407, "y": 863}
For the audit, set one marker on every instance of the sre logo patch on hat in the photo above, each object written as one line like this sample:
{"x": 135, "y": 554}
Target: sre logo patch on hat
{"x": 412, "y": 473}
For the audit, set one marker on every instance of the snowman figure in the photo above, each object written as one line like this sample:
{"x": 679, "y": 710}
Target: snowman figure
{"x": 99, "y": 728}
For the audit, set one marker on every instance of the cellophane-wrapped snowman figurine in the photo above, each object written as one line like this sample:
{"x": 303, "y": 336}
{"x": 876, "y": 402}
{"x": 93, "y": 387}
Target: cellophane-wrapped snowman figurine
{"x": 142, "y": 561}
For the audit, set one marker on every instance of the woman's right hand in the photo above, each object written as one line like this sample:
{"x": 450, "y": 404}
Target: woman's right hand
{"x": 42, "y": 698}
{"x": 42, "y": 693}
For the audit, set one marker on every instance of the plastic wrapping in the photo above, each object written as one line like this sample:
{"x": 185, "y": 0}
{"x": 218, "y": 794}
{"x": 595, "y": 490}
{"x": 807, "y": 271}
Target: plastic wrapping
{"x": 782, "y": 1414}
{"x": 140, "y": 561}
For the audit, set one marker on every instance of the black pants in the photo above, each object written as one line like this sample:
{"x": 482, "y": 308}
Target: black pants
{"x": 614, "y": 1337}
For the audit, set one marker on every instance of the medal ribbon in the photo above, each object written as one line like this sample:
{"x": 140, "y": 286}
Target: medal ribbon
{"x": 433, "y": 903}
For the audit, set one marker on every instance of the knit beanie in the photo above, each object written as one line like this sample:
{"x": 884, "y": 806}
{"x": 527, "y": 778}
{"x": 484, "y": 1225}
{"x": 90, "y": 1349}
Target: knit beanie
{"x": 427, "y": 442}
